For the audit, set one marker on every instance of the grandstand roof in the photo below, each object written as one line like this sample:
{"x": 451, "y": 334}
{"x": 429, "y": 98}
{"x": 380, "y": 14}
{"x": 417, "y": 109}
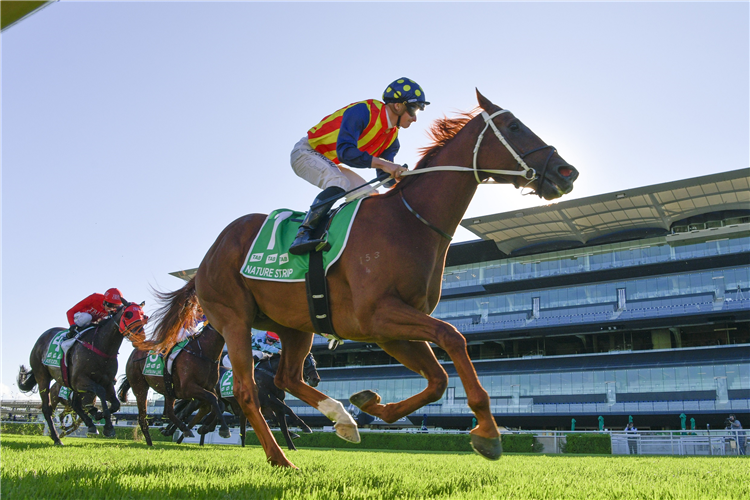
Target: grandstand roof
{"x": 642, "y": 211}
{"x": 13, "y": 12}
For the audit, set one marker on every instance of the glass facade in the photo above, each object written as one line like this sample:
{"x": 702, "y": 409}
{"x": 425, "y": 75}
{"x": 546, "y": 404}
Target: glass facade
{"x": 615, "y": 255}
{"x": 658, "y": 291}
{"x": 558, "y": 383}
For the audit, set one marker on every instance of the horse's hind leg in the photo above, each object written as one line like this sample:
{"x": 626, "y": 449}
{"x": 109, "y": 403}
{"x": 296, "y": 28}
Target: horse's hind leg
{"x": 44, "y": 393}
{"x": 296, "y": 346}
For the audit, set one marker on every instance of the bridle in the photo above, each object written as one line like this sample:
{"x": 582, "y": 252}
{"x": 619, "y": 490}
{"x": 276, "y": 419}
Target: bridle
{"x": 526, "y": 172}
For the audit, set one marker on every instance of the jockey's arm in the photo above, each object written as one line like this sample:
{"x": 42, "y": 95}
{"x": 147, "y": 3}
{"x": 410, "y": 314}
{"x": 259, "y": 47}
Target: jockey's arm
{"x": 353, "y": 123}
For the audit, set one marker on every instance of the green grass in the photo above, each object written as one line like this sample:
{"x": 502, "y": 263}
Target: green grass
{"x": 97, "y": 468}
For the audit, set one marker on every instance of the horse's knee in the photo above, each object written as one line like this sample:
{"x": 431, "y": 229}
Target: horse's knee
{"x": 450, "y": 339}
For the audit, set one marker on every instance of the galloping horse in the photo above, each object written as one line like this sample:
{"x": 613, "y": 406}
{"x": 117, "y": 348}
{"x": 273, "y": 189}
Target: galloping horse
{"x": 386, "y": 282}
{"x": 271, "y": 400}
{"x": 195, "y": 372}
{"x": 93, "y": 366}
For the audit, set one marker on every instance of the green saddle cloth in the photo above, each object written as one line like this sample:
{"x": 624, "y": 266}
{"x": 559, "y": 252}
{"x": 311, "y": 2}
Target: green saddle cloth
{"x": 154, "y": 366}
{"x": 54, "y": 350}
{"x": 269, "y": 258}
{"x": 226, "y": 384}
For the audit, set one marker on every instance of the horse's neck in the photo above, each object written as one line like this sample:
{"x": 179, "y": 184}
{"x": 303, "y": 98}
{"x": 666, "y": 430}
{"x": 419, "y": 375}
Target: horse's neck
{"x": 442, "y": 198}
{"x": 107, "y": 337}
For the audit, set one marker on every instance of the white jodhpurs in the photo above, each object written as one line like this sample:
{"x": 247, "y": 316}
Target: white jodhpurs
{"x": 82, "y": 319}
{"x": 322, "y": 172}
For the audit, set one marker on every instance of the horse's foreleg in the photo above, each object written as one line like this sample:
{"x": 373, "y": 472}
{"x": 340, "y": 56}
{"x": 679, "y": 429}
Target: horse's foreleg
{"x": 289, "y": 378}
{"x": 418, "y": 357}
{"x": 141, "y": 402}
{"x": 394, "y": 320}
{"x": 239, "y": 343}
{"x": 102, "y": 394}
{"x": 76, "y": 404}
{"x": 169, "y": 413}
{"x": 295, "y": 419}
{"x": 280, "y": 417}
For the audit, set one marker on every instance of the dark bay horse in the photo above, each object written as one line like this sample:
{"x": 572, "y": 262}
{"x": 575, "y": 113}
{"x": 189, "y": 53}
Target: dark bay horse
{"x": 385, "y": 284}
{"x": 93, "y": 366}
{"x": 271, "y": 399}
{"x": 195, "y": 373}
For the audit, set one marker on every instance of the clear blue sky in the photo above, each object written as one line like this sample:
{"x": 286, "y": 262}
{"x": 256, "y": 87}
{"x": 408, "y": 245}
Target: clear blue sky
{"x": 133, "y": 133}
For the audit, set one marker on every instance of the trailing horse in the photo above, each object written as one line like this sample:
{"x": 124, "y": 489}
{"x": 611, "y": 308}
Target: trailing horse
{"x": 384, "y": 285}
{"x": 92, "y": 366}
{"x": 271, "y": 400}
{"x": 195, "y": 373}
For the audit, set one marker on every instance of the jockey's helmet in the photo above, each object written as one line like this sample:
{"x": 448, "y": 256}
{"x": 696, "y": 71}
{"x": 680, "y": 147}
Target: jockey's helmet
{"x": 112, "y": 298}
{"x": 272, "y": 336}
{"x": 405, "y": 91}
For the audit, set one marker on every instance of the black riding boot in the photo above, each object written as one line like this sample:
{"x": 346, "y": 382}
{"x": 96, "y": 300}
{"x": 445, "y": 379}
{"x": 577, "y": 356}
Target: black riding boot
{"x": 72, "y": 332}
{"x": 302, "y": 243}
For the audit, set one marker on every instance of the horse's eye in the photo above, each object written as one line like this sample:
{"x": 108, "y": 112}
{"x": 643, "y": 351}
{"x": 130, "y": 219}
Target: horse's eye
{"x": 514, "y": 127}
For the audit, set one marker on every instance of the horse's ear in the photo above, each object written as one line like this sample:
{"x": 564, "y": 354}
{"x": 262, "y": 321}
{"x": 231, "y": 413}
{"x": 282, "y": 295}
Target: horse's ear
{"x": 124, "y": 302}
{"x": 484, "y": 103}
{"x": 143, "y": 303}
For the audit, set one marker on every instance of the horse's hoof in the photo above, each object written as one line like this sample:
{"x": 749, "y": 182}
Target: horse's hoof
{"x": 93, "y": 430}
{"x": 99, "y": 415}
{"x": 59, "y": 443}
{"x": 179, "y": 439}
{"x": 165, "y": 432}
{"x": 489, "y": 448}
{"x": 188, "y": 434}
{"x": 294, "y": 435}
{"x": 225, "y": 433}
{"x": 307, "y": 430}
{"x": 348, "y": 432}
{"x": 363, "y": 398}
{"x": 110, "y": 433}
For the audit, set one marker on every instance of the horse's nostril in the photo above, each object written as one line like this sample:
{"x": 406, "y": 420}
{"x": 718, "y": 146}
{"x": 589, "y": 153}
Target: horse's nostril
{"x": 565, "y": 171}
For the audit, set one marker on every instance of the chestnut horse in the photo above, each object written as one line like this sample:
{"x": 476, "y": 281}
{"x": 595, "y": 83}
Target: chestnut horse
{"x": 93, "y": 366}
{"x": 385, "y": 284}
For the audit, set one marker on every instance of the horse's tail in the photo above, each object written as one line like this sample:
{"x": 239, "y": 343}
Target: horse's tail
{"x": 25, "y": 380}
{"x": 180, "y": 309}
{"x": 122, "y": 392}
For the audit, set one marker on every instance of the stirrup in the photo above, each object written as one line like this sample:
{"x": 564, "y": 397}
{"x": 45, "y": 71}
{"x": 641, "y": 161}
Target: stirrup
{"x": 333, "y": 344}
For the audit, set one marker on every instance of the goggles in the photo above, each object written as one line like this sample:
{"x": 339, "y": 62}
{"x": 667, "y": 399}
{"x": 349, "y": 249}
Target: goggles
{"x": 413, "y": 107}
{"x": 108, "y": 305}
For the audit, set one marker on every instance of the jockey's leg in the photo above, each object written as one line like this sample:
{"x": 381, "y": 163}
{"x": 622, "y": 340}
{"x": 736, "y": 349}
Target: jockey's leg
{"x": 303, "y": 243}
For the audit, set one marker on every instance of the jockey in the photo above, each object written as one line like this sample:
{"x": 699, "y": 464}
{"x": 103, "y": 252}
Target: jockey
{"x": 93, "y": 309}
{"x": 190, "y": 330}
{"x": 265, "y": 343}
{"x": 361, "y": 135}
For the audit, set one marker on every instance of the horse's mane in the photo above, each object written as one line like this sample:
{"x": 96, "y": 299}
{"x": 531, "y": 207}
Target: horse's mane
{"x": 441, "y": 132}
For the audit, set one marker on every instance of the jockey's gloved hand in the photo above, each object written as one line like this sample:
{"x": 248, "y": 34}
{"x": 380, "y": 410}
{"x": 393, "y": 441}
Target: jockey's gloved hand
{"x": 72, "y": 331}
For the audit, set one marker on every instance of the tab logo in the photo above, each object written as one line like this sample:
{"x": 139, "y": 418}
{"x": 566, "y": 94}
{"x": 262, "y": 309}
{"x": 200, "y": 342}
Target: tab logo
{"x": 256, "y": 257}
{"x": 283, "y": 258}
{"x": 271, "y": 258}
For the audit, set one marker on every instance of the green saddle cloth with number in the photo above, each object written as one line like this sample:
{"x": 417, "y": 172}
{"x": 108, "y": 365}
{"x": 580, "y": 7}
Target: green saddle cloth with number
{"x": 226, "y": 384}
{"x": 155, "y": 362}
{"x": 269, "y": 258}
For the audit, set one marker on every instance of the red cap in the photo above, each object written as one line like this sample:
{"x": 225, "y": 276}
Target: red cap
{"x": 271, "y": 335}
{"x": 113, "y": 296}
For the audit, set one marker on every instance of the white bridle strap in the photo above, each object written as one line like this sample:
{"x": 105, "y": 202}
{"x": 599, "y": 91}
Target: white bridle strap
{"x": 527, "y": 172}
{"x": 489, "y": 123}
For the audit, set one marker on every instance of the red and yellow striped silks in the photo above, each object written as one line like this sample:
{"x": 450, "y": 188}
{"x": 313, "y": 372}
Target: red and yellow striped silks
{"x": 374, "y": 139}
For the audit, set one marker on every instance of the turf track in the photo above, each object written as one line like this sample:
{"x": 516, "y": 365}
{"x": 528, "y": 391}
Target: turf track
{"x": 112, "y": 469}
